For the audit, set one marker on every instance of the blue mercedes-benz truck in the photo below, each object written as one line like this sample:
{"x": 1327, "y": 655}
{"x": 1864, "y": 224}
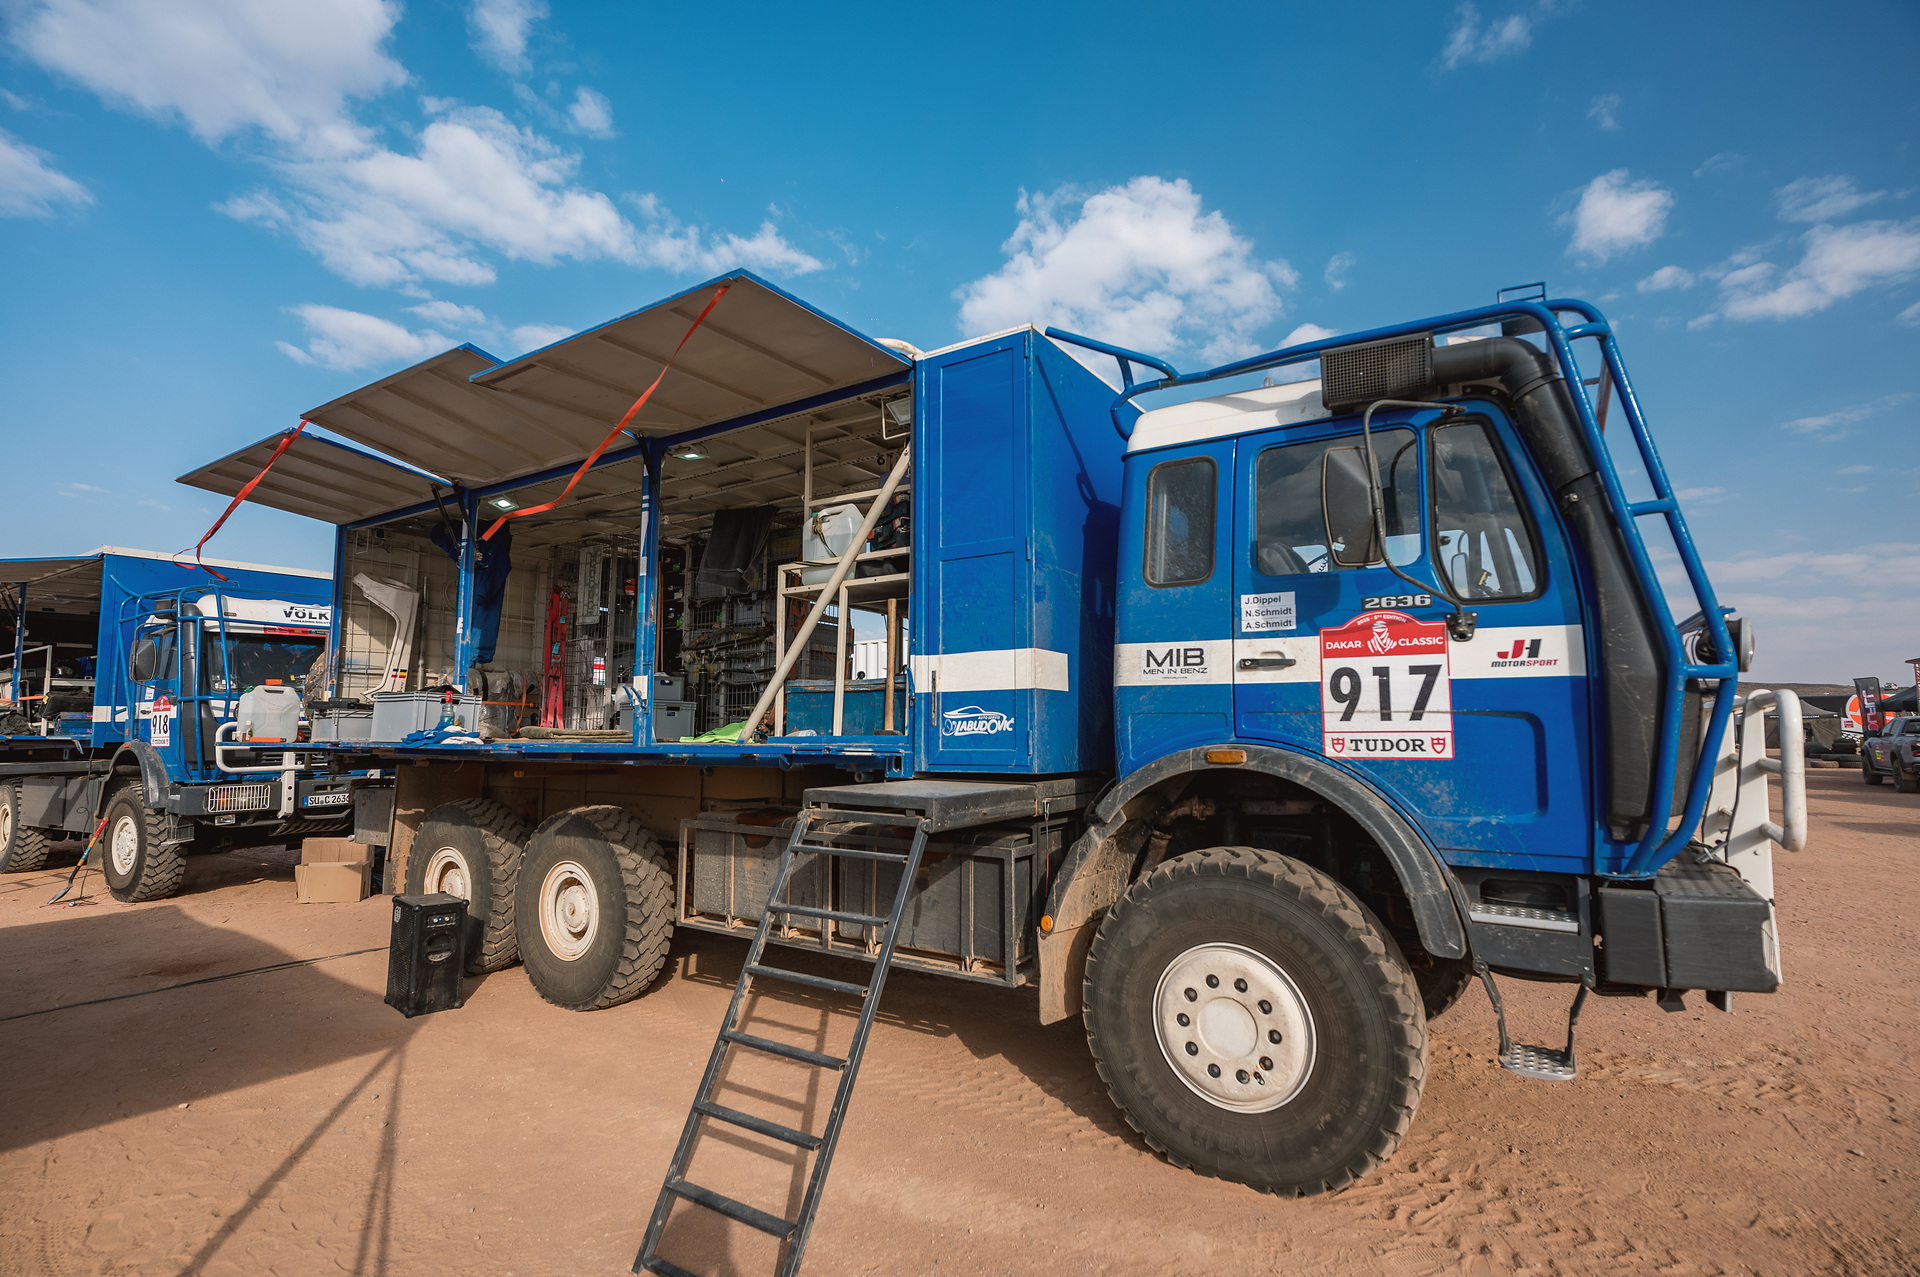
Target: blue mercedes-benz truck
{"x": 124, "y": 687}
{"x": 1254, "y": 728}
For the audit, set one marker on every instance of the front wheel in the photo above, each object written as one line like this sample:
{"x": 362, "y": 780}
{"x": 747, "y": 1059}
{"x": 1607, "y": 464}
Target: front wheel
{"x": 1255, "y": 1022}
{"x": 1869, "y": 775}
{"x": 138, "y": 862}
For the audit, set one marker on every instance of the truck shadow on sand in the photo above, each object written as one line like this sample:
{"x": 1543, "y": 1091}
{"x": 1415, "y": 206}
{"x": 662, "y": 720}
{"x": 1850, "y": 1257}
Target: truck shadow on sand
{"x": 72, "y": 1068}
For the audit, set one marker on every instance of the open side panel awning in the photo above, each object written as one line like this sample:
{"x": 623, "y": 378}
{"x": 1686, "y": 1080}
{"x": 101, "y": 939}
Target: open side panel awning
{"x": 62, "y": 585}
{"x": 318, "y": 477}
{"x": 480, "y": 423}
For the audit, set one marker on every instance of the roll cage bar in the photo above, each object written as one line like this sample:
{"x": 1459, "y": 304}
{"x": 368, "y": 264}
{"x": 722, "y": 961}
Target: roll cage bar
{"x": 1658, "y": 845}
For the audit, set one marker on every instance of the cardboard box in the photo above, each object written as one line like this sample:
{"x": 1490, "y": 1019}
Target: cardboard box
{"x": 329, "y": 851}
{"x": 333, "y": 882}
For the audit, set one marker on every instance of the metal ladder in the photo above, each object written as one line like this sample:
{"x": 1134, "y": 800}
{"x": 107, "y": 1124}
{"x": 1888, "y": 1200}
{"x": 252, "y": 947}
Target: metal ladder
{"x": 793, "y": 1232}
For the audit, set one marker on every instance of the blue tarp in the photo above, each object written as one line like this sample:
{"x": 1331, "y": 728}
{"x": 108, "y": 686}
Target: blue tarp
{"x": 492, "y": 560}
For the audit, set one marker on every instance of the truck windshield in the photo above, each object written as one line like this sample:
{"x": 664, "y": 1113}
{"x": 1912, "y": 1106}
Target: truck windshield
{"x": 254, "y": 659}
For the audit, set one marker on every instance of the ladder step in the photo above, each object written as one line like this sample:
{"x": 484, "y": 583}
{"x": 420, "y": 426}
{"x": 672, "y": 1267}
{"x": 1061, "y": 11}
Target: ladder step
{"x": 721, "y": 1204}
{"x": 771, "y": 1047}
{"x": 858, "y": 853}
{"x": 831, "y": 915}
{"x": 662, "y": 1267}
{"x": 815, "y": 981}
{"x": 758, "y": 1125}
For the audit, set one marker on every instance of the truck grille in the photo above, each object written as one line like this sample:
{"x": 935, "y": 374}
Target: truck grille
{"x": 251, "y": 797}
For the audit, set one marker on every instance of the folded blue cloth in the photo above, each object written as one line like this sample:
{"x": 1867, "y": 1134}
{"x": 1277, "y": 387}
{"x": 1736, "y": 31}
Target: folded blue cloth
{"x": 448, "y": 735}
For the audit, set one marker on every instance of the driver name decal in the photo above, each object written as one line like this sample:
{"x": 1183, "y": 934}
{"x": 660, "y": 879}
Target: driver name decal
{"x": 1385, "y": 690}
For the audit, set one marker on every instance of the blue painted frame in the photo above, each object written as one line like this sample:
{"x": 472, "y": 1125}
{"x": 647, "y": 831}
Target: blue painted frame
{"x": 1658, "y": 845}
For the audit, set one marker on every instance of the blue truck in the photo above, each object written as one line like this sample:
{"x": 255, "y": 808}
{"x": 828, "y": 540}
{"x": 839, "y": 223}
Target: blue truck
{"x": 1253, "y": 729}
{"x": 124, "y": 684}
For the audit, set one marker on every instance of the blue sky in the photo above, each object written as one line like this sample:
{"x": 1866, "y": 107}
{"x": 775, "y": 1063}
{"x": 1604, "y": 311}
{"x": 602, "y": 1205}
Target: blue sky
{"x": 217, "y": 213}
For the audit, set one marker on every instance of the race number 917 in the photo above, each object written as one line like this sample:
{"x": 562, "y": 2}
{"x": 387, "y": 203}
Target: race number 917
{"x": 1385, "y": 690}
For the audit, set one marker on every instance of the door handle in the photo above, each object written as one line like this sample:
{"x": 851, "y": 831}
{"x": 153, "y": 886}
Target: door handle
{"x": 1266, "y": 662}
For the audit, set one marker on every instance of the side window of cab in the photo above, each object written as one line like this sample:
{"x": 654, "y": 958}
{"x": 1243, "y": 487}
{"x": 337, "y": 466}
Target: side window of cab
{"x": 1180, "y": 522}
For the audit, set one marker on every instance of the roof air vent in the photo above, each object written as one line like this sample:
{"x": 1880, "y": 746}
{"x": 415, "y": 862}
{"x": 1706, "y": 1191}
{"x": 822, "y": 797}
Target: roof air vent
{"x": 1393, "y": 369}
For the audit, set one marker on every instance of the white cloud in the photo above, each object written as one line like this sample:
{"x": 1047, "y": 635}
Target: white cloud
{"x": 1910, "y": 316}
{"x": 1832, "y": 425}
{"x": 534, "y": 336}
{"x": 1469, "y": 41}
{"x": 1337, "y": 267}
{"x": 1139, "y": 265}
{"x": 347, "y": 341}
{"x": 1605, "y": 111}
{"x": 1721, "y": 162}
{"x": 30, "y": 186}
{"x": 1838, "y": 262}
{"x": 591, "y": 113}
{"x": 1665, "y": 278}
{"x": 469, "y": 186}
{"x": 1308, "y": 332}
{"x": 222, "y": 66}
{"x": 82, "y": 490}
{"x": 451, "y": 315}
{"x": 1701, "y": 496}
{"x": 1616, "y": 213}
{"x": 1821, "y": 199}
{"x": 500, "y": 29}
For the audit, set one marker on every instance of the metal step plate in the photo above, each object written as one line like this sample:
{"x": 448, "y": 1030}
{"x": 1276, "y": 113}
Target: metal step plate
{"x": 1542, "y": 1063}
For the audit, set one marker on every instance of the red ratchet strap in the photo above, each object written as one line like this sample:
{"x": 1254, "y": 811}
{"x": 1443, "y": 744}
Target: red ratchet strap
{"x": 285, "y": 443}
{"x": 608, "y": 441}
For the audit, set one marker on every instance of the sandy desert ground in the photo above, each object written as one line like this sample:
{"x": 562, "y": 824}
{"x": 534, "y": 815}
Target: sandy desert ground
{"x": 289, "y": 1122}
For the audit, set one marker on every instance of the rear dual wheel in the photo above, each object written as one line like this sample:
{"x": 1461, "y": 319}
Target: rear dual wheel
{"x": 1255, "y": 1022}
{"x": 595, "y": 908}
{"x": 21, "y": 849}
{"x": 472, "y": 849}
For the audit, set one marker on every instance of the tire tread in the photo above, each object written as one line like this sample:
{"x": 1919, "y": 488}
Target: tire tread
{"x": 1392, "y": 981}
{"x": 648, "y": 885}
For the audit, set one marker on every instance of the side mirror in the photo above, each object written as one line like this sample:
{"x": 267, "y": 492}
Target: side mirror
{"x": 144, "y": 661}
{"x": 1346, "y": 507}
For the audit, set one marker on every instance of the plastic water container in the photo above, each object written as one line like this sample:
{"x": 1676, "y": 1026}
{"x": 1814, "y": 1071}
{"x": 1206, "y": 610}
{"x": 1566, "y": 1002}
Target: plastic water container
{"x": 825, "y": 538}
{"x": 270, "y": 714}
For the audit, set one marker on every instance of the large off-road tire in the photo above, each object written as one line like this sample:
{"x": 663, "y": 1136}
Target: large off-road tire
{"x": 21, "y": 849}
{"x": 1868, "y": 774}
{"x": 1905, "y": 781}
{"x": 1442, "y": 981}
{"x": 596, "y": 908}
{"x": 133, "y": 854}
{"x": 472, "y": 849}
{"x": 1255, "y": 1022}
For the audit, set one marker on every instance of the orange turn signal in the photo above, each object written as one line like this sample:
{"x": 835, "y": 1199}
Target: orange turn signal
{"x": 1226, "y": 755}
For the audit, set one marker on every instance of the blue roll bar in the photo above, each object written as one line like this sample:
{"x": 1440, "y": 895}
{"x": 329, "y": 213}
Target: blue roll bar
{"x": 1659, "y": 844}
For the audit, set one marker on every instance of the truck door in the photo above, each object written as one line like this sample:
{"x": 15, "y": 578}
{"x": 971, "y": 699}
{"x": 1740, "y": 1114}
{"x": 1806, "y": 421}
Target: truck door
{"x": 154, "y": 674}
{"x": 1483, "y": 742}
{"x": 1172, "y": 676}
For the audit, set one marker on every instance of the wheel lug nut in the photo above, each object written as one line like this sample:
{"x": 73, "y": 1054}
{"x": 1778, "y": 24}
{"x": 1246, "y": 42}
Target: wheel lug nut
{"x": 1182, "y": 1019}
{"x": 1213, "y": 982}
{"x": 1213, "y": 1070}
{"x": 1191, "y": 995}
{"x": 1239, "y": 986}
{"x": 1273, "y": 1036}
{"x": 1240, "y": 1075}
{"x": 1192, "y": 1049}
{"x": 1266, "y": 1007}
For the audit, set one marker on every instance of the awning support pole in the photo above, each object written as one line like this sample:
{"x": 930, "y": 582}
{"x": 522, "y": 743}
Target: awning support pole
{"x": 829, "y": 593}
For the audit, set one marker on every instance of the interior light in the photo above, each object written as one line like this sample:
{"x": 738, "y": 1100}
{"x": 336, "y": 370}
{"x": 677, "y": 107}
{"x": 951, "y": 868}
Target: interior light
{"x": 688, "y": 452}
{"x": 901, "y": 410}
{"x": 505, "y": 504}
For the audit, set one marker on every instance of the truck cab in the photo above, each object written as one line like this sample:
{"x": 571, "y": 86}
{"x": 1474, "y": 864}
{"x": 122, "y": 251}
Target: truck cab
{"x": 163, "y": 750}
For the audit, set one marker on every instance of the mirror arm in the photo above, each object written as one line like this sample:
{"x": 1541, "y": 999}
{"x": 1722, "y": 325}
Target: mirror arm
{"x": 1460, "y": 625}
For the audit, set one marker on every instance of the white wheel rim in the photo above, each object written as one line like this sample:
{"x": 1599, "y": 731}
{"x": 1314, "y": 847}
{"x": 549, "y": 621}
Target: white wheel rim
{"x": 569, "y": 910}
{"x": 6, "y": 824}
{"x": 125, "y": 845}
{"x": 1233, "y": 1027}
{"x": 447, "y": 871}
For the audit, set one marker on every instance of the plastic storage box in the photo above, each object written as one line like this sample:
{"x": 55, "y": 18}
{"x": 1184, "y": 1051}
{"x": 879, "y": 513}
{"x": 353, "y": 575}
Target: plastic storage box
{"x": 342, "y": 720}
{"x": 810, "y": 706}
{"x": 398, "y": 714}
